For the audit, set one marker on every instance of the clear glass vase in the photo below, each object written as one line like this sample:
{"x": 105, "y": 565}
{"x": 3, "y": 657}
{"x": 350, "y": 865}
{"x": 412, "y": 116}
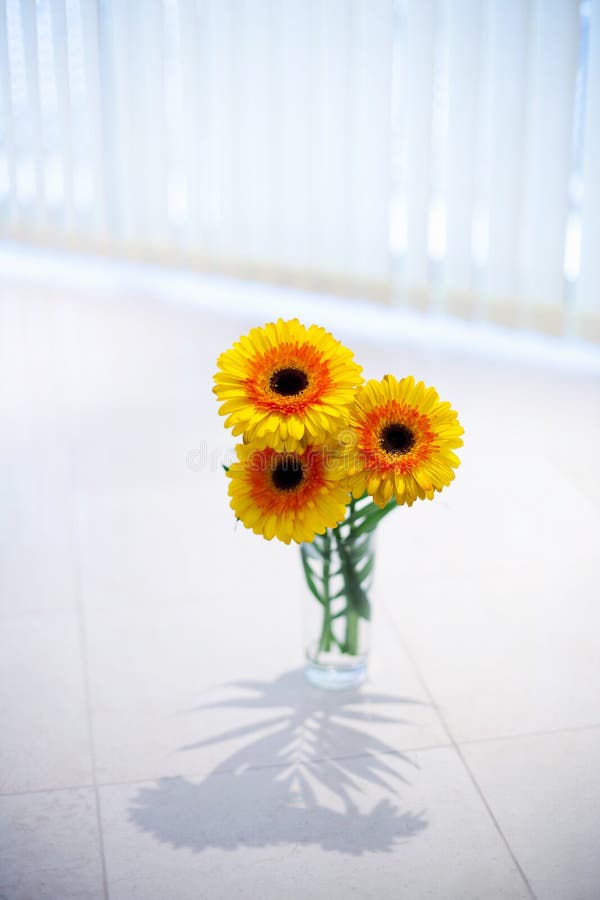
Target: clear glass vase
{"x": 338, "y": 567}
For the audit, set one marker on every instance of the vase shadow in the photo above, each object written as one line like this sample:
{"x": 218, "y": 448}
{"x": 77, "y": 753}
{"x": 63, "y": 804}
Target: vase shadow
{"x": 301, "y": 779}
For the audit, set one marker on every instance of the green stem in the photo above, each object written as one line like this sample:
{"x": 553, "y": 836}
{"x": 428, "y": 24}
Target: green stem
{"x": 352, "y": 549}
{"x": 337, "y": 615}
{"x": 373, "y": 516}
{"x": 351, "y": 641}
{"x": 326, "y": 632}
{"x": 351, "y": 638}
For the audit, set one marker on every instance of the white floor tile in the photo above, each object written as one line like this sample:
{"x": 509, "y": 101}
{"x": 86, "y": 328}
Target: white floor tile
{"x": 110, "y": 448}
{"x": 369, "y": 827}
{"x": 37, "y": 556}
{"x": 171, "y": 543}
{"x": 493, "y": 587}
{"x": 37, "y": 560}
{"x": 49, "y": 847}
{"x": 42, "y": 708}
{"x": 507, "y": 652}
{"x": 196, "y": 686}
{"x": 545, "y": 793}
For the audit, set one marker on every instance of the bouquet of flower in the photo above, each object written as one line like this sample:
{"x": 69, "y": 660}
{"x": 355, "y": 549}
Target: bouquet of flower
{"x": 323, "y": 458}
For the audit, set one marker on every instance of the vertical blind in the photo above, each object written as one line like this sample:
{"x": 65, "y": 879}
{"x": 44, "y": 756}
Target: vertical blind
{"x": 440, "y": 153}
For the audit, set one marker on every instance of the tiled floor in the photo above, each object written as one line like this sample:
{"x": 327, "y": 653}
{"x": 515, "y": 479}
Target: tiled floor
{"x": 158, "y": 738}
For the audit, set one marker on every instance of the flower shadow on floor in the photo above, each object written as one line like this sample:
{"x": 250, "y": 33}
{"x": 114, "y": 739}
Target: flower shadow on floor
{"x": 311, "y": 792}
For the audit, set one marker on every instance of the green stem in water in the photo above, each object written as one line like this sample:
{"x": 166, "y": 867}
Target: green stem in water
{"x": 351, "y": 642}
{"x": 326, "y": 632}
{"x": 361, "y": 520}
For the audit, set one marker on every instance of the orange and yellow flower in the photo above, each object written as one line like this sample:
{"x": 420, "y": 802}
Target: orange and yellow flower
{"x": 288, "y": 495}
{"x": 285, "y": 386}
{"x": 405, "y": 438}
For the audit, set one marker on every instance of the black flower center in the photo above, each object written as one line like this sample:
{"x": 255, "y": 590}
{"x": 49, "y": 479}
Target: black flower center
{"x": 396, "y": 438}
{"x": 288, "y": 473}
{"x": 288, "y": 382}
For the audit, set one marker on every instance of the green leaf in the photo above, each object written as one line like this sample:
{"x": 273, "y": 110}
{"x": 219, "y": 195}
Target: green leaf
{"x": 366, "y": 570}
{"x": 308, "y": 574}
{"x": 355, "y": 594}
{"x": 339, "y": 614}
{"x": 371, "y": 523}
{"x": 357, "y": 547}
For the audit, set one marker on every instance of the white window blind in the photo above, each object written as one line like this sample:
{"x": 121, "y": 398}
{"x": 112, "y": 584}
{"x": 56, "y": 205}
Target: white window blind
{"x": 438, "y": 153}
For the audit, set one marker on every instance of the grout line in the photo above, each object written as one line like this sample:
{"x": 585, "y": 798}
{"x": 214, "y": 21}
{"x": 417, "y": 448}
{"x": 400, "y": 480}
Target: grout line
{"x": 491, "y": 814}
{"x": 460, "y": 755}
{"x": 216, "y": 771}
{"x": 81, "y": 628}
{"x": 90, "y": 730}
{"x": 487, "y": 805}
{"x": 70, "y": 492}
{"x": 568, "y": 729}
{"x": 89, "y": 785}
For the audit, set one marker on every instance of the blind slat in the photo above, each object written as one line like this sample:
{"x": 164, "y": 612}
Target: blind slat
{"x": 113, "y": 34}
{"x": 420, "y": 148}
{"x": 96, "y": 145}
{"x": 196, "y": 111}
{"x": 464, "y": 77}
{"x": 222, "y": 63}
{"x": 292, "y": 162}
{"x": 504, "y": 146}
{"x": 369, "y": 145}
{"x": 253, "y": 47}
{"x": 417, "y": 100}
{"x": 331, "y": 186}
{"x": 61, "y": 68}
{"x": 588, "y": 292}
{"x": 9, "y": 203}
{"x": 147, "y": 114}
{"x": 32, "y": 157}
{"x": 554, "y": 27}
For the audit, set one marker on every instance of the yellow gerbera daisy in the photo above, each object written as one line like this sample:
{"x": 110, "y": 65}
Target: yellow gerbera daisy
{"x": 405, "y": 438}
{"x": 288, "y": 495}
{"x": 285, "y": 386}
